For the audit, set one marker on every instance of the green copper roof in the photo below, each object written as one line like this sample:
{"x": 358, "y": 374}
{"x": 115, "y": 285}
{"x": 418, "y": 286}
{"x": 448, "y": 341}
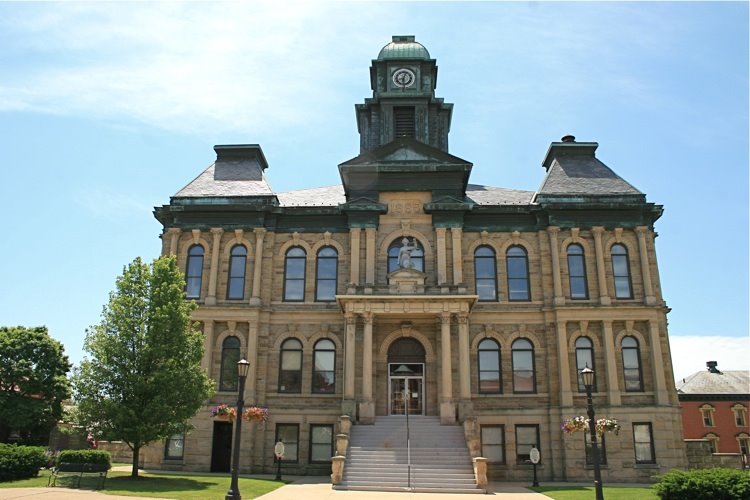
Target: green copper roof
{"x": 403, "y": 47}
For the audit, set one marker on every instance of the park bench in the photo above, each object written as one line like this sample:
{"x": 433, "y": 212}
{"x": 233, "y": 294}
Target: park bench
{"x": 77, "y": 471}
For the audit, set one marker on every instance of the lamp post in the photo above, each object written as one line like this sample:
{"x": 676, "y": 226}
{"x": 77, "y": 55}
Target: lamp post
{"x": 243, "y": 367}
{"x": 587, "y": 376}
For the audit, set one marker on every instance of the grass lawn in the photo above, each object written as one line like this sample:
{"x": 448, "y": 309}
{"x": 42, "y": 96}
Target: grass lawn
{"x": 188, "y": 487}
{"x": 588, "y": 493}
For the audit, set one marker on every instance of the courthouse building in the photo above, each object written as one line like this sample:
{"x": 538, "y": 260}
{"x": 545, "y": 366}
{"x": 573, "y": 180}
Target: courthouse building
{"x": 485, "y": 302}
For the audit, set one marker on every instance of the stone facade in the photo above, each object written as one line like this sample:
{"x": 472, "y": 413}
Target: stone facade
{"x": 422, "y": 255}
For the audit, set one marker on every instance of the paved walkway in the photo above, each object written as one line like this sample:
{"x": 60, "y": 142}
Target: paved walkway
{"x": 301, "y": 488}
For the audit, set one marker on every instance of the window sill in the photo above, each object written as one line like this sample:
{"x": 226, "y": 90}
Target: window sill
{"x": 174, "y": 461}
{"x": 591, "y": 467}
{"x": 647, "y": 466}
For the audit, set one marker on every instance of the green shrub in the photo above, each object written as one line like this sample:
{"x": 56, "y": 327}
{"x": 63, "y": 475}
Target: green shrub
{"x": 704, "y": 484}
{"x": 20, "y": 462}
{"x": 85, "y": 457}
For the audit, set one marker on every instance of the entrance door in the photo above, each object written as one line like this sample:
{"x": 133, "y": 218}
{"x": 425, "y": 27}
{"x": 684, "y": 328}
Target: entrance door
{"x": 221, "y": 451}
{"x": 406, "y": 388}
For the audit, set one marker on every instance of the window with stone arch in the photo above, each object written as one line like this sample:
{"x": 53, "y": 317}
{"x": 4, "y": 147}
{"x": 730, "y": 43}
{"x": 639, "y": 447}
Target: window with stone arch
{"x": 743, "y": 441}
{"x": 524, "y": 369}
{"x": 290, "y": 367}
{"x": 230, "y": 355}
{"x": 584, "y": 359}
{"x": 707, "y": 415}
{"x": 740, "y": 415}
{"x": 325, "y": 274}
{"x": 577, "y": 272}
{"x": 324, "y": 367}
{"x": 236, "y": 280}
{"x": 485, "y": 273}
{"x": 406, "y": 253}
{"x": 489, "y": 367}
{"x": 194, "y": 272}
{"x": 621, "y": 271}
{"x": 713, "y": 440}
{"x": 631, "y": 364}
{"x": 517, "y": 264}
{"x": 294, "y": 274}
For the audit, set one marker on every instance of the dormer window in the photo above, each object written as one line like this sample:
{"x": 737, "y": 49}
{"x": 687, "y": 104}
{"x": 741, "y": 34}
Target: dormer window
{"x": 404, "y": 122}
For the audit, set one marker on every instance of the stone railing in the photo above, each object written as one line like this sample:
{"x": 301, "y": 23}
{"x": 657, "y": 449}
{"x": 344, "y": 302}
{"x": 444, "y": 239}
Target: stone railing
{"x": 474, "y": 444}
{"x": 342, "y": 443}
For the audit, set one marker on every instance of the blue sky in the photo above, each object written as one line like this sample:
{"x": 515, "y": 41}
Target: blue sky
{"x": 107, "y": 109}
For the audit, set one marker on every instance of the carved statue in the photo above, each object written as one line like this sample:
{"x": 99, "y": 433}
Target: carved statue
{"x": 404, "y": 254}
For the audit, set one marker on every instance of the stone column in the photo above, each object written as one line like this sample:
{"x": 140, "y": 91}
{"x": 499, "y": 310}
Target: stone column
{"x": 442, "y": 271}
{"x": 657, "y": 364}
{"x": 610, "y": 353}
{"x": 174, "y": 236}
{"x": 214, "y": 272}
{"x": 252, "y": 357}
{"x": 600, "y": 271}
{"x": 447, "y": 410}
{"x": 458, "y": 259}
{"x": 554, "y": 250}
{"x": 208, "y": 345}
{"x": 370, "y": 255}
{"x": 354, "y": 245}
{"x": 349, "y": 352}
{"x": 648, "y": 287}
{"x": 367, "y": 407}
{"x": 258, "y": 266}
{"x": 463, "y": 356}
{"x": 566, "y": 396}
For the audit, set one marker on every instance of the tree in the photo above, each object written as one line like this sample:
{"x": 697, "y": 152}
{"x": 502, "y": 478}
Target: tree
{"x": 33, "y": 383}
{"x": 144, "y": 380}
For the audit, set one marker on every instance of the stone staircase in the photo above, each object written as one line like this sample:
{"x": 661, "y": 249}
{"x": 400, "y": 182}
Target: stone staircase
{"x": 377, "y": 459}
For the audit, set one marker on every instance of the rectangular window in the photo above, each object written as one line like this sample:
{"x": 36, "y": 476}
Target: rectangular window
{"x": 174, "y": 448}
{"x": 644, "y": 443}
{"x": 289, "y": 435}
{"x": 321, "y": 443}
{"x": 403, "y": 122}
{"x": 589, "y": 451}
{"x": 739, "y": 416}
{"x": 493, "y": 443}
{"x": 527, "y": 437}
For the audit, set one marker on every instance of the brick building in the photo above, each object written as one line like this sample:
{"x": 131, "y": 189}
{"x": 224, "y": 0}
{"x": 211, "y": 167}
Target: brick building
{"x": 484, "y": 302}
{"x": 714, "y": 407}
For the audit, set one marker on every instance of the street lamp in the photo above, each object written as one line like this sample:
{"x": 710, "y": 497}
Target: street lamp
{"x": 587, "y": 376}
{"x": 243, "y": 367}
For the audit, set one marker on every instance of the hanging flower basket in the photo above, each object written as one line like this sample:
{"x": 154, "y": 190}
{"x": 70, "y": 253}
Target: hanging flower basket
{"x": 581, "y": 424}
{"x": 224, "y": 412}
{"x": 255, "y": 414}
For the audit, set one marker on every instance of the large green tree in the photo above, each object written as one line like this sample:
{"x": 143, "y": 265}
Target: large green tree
{"x": 143, "y": 381}
{"x": 33, "y": 383}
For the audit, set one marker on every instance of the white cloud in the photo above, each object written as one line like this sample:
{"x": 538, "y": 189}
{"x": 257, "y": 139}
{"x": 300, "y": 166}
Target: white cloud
{"x": 690, "y": 353}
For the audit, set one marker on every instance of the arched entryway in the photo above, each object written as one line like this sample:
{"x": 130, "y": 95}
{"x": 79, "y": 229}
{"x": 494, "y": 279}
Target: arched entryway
{"x": 406, "y": 377}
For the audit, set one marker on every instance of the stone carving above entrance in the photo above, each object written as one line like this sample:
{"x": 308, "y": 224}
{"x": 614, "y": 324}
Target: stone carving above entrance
{"x": 406, "y": 281}
{"x": 405, "y": 207}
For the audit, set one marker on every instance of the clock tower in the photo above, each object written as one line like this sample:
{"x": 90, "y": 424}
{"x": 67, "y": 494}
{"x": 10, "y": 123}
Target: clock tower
{"x": 403, "y": 103}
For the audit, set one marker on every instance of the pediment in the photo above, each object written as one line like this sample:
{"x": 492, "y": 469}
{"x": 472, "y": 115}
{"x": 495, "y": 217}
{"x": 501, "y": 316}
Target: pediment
{"x": 405, "y": 150}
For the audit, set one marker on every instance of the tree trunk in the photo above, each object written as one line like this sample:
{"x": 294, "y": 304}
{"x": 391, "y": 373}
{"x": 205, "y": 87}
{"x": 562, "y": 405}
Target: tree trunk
{"x": 136, "y": 454}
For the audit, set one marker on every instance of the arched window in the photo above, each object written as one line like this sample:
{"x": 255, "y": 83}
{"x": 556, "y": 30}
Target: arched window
{"x": 584, "y": 358}
{"x": 713, "y": 440}
{"x": 490, "y": 379}
{"x": 326, "y": 272}
{"x": 405, "y": 253}
{"x": 621, "y": 272}
{"x": 485, "y": 273}
{"x": 324, "y": 367}
{"x": 517, "y": 263}
{"x": 236, "y": 282}
{"x": 194, "y": 272}
{"x": 524, "y": 376}
{"x": 230, "y": 355}
{"x": 577, "y": 272}
{"x": 294, "y": 274}
{"x": 290, "y": 368}
{"x": 743, "y": 440}
{"x": 631, "y": 364}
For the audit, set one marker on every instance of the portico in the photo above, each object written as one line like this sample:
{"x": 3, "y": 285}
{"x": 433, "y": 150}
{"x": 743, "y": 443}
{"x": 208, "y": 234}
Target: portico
{"x": 369, "y": 311}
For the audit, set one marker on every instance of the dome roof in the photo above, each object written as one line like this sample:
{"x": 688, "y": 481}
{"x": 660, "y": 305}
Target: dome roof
{"x": 403, "y": 47}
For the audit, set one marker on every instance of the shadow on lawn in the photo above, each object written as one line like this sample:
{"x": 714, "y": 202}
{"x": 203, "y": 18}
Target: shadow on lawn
{"x": 146, "y": 484}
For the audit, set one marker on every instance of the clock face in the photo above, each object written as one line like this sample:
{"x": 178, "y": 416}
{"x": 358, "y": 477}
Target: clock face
{"x": 403, "y": 77}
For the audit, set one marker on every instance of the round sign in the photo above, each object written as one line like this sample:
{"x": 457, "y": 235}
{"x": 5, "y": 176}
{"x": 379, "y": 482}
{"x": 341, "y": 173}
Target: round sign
{"x": 279, "y": 450}
{"x": 534, "y": 456}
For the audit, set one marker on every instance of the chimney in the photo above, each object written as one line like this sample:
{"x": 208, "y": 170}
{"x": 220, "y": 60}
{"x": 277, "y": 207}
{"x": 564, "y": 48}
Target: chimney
{"x": 711, "y": 365}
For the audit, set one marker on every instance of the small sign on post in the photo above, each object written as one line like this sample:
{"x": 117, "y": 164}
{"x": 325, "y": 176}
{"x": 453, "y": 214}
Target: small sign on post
{"x": 278, "y": 451}
{"x": 534, "y": 456}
